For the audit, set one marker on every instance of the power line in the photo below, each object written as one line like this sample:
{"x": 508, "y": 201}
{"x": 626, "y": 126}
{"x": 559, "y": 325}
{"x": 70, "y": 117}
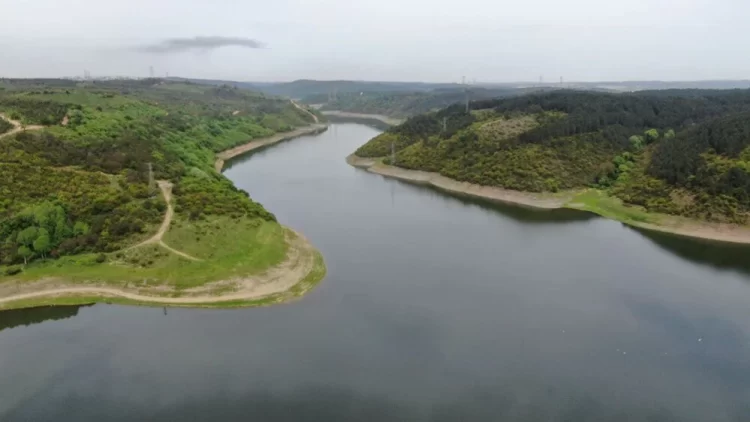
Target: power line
{"x": 150, "y": 178}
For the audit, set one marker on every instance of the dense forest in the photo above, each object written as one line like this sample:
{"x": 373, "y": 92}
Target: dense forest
{"x": 684, "y": 152}
{"x": 400, "y": 104}
{"x": 83, "y": 183}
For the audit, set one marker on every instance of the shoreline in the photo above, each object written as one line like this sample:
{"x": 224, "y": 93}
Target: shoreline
{"x": 302, "y": 269}
{"x": 254, "y": 144}
{"x": 390, "y": 121}
{"x": 530, "y": 200}
{"x": 674, "y": 225}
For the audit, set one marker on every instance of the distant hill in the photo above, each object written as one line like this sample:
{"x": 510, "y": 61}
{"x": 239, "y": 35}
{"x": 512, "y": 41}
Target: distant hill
{"x": 306, "y": 87}
{"x": 406, "y": 104}
{"x": 680, "y": 152}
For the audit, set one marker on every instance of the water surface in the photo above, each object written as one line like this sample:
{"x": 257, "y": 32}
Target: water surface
{"x": 435, "y": 308}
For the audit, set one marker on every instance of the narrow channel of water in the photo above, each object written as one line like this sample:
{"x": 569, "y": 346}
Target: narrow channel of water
{"x": 435, "y": 308}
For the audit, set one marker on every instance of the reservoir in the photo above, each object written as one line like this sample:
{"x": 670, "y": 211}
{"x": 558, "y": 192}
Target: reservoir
{"x": 435, "y": 308}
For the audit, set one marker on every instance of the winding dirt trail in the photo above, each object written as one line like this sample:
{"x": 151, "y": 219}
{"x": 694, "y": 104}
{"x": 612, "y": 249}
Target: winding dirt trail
{"x": 166, "y": 191}
{"x": 17, "y": 127}
{"x": 315, "y": 118}
{"x": 279, "y": 279}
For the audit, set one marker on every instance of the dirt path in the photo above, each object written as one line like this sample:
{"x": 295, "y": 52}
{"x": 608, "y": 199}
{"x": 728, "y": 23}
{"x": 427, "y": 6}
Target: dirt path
{"x": 166, "y": 191}
{"x": 298, "y": 264}
{"x": 315, "y": 118}
{"x": 18, "y": 126}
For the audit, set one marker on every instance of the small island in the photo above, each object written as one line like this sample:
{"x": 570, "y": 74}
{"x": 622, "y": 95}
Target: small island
{"x": 676, "y": 161}
{"x": 113, "y": 192}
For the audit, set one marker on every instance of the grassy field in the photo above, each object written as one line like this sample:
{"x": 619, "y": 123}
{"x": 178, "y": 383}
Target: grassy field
{"x": 227, "y": 248}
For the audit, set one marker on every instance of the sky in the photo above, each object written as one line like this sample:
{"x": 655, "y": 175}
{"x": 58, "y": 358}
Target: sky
{"x": 389, "y": 40}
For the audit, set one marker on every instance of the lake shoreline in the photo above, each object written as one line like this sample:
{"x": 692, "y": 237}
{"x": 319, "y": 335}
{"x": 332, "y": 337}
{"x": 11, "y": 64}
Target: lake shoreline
{"x": 301, "y": 270}
{"x": 390, "y": 121}
{"x": 255, "y": 144}
{"x": 679, "y": 226}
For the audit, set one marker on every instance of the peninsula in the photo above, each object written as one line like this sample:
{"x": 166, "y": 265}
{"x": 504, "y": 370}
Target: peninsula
{"x": 114, "y": 193}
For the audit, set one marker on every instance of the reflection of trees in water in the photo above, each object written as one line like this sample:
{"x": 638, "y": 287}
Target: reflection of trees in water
{"x": 373, "y": 123}
{"x": 519, "y": 213}
{"x": 322, "y": 403}
{"x": 716, "y": 254}
{"x": 23, "y": 317}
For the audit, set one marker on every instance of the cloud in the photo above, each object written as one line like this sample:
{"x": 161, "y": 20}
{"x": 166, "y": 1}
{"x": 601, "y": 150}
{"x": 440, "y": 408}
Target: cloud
{"x": 178, "y": 45}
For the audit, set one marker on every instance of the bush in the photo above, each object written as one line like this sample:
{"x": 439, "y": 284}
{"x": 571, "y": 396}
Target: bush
{"x": 13, "y": 270}
{"x": 101, "y": 258}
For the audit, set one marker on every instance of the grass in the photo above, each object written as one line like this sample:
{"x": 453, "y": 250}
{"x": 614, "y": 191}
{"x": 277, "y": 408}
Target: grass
{"x": 228, "y": 248}
{"x": 598, "y": 202}
{"x": 312, "y": 279}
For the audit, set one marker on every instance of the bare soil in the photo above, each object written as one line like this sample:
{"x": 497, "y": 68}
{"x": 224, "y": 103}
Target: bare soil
{"x": 18, "y": 127}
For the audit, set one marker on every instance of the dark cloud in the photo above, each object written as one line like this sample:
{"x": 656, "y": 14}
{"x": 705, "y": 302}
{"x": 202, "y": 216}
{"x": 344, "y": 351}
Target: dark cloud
{"x": 177, "y": 45}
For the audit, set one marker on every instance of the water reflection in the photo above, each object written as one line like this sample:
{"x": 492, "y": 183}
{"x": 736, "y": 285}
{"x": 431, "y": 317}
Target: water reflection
{"x": 518, "y": 213}
{"x": 333, "y": 404}
{"x": 373, "y": 123}
{"x": 725, "y": 256}
{"x": 24, "y": 317}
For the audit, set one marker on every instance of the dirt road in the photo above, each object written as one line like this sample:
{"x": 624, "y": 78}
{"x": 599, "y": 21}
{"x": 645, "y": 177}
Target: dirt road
{"x": 17, "y": 127}
{"x": 166, "y": 191}
{"x": 315, "y": 118}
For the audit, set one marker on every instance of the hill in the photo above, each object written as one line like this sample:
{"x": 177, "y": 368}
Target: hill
{"x": 307, "y": 87}
{"x": 80, "y": 188}
{"x": 676, "y": 152}
{"x": 409, "y": 103}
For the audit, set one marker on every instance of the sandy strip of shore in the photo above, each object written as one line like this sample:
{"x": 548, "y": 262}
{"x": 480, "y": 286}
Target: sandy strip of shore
{"x": 720, "y": 232}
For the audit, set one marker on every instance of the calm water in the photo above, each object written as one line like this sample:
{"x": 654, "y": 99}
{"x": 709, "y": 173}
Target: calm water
{"x": 435, "y": 309}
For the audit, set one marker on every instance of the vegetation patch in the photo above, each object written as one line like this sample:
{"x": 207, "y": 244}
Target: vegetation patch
{"x": 78, "y": 193}
{"x": 681, "y": 152}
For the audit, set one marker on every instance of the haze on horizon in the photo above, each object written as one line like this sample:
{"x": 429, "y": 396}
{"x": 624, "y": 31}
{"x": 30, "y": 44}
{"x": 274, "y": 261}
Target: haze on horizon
{"x": 415, "y": 40}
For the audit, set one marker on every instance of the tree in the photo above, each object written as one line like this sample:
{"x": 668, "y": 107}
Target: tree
{"x": 669, "y": 134}
{"x": 651, "y": 135}
{"x": 637, "y": 142}
{"x": 25, "y": 253}
{"x": 80, "y": 228}
{"x": 27, "y": 236}
{"x": 42, "y": 244}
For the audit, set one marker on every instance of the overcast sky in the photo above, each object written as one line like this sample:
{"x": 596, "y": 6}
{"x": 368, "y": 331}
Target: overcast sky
{"x": 428, "y": 40}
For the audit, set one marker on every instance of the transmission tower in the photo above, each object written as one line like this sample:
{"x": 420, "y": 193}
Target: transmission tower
{"x": 466, "y": 93}
{"x": 445, "y": 124}
{"x": 151, "y": 71}
{"x": 150, "y": 178}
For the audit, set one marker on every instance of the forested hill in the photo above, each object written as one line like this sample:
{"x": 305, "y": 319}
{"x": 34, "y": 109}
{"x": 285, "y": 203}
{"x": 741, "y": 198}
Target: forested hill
{"x": 406, "y": 104}
{"x": 82, "y": 183}
{"x": 680, "y": 152}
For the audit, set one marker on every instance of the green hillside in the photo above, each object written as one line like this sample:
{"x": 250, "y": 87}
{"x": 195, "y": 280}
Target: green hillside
{"x": 78, "y": 192}
{"x": 676, "y": 152}
{"x": 405, "y": 104}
